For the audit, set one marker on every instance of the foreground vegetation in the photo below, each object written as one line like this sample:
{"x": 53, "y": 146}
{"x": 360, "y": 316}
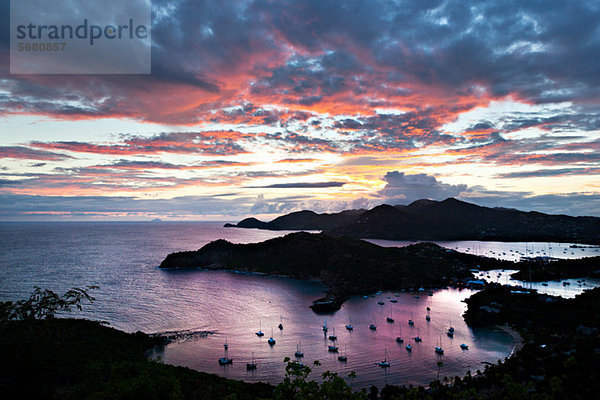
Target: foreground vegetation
{"x": 45, "y": 357}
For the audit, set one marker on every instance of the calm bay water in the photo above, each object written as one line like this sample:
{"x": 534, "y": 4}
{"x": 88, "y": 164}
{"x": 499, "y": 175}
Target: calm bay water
{"x": 135, "y": 295}
{"x": 512, "y": 251}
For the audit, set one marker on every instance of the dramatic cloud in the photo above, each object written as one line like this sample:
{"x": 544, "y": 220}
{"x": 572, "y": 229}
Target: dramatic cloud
{"x": 29, "y": 153}
{"x": 407, "y": 188}
{"x": 218, "y": 142}
{"x": 252, "y": 94}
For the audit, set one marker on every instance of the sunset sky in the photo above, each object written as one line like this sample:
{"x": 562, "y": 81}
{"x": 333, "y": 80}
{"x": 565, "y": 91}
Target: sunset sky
{"x": 267, "y": 107}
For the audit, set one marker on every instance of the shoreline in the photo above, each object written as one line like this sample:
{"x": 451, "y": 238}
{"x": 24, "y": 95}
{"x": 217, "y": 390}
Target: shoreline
{"x": 519, "y": 342}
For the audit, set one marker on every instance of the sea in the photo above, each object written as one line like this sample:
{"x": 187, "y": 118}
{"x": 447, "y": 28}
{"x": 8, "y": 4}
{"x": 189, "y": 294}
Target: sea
{"x": 205, "y": 310}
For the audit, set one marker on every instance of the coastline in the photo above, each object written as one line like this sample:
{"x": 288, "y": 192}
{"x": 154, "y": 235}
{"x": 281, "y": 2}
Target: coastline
{"x": 516, "y": 336}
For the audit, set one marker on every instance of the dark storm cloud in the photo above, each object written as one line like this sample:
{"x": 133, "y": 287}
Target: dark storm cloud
{"x": 306, "y": 52}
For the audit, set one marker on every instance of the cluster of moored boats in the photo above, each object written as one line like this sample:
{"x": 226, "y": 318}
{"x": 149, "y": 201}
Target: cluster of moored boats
{"x": 334, "y": 348}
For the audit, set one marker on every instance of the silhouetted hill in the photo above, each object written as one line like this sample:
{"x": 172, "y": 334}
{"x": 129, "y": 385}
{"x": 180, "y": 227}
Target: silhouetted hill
{"x": 301, "y": 220}
{"x": 249, "y": 223}
{"x": 450, "y": 219}
{"x": 347, "y": 265}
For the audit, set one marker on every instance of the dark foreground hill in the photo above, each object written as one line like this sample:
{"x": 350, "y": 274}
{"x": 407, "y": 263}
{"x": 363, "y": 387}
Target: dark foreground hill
{"x": 347, "y": 265}
{"x": 450, "y": 219}
{"x": 80, "y": 359}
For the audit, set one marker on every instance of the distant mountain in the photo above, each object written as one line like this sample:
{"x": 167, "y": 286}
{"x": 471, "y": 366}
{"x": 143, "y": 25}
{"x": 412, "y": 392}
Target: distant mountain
{"x": 450, "y": 219}
{"x": 301, "y": 220}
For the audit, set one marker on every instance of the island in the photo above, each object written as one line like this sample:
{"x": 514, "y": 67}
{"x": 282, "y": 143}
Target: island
{"x": 348, "y": 266}
{"x": 450, "y": 219}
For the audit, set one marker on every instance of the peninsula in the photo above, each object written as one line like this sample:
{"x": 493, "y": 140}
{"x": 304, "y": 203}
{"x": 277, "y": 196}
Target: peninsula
{"x": 348, "y": 266}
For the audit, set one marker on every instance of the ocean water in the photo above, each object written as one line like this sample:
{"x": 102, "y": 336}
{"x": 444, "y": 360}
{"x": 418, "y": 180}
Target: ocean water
{"x": 122, "y": 259}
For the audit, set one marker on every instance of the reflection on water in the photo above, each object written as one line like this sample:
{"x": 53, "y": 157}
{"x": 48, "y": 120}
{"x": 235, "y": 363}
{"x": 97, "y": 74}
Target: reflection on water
{"x": 512, "y": 251}
{"x": 243, "y": 304}
{"x": 567, "y": 288}
{"x": 134, "y": 295}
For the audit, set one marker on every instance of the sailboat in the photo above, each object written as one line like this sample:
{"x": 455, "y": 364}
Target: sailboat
{"x": 408, "y": 347}
{"x": 418, "y": 338}
{"x": 325, "y": 325}
{"x": 260, "y": 332}
{"x": 225, "y": 345}
{"x": 280, "y": 326}
{"x": 299, "y": 352}
{"x": 271, "y": 341}
{"x": 439, "y": 349}
{"x": 385, "y": 363}
{"x": 225, "y": 360}
{"x": 450, "y": 332}
{"x": 343, "y": 357}
{"x": 389, "y": 317}
{"x": 251, "y": 365}
{"x": 399, "y": 338}
{"x": 349, "y": 326}
{"x": 333, "y": 336}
